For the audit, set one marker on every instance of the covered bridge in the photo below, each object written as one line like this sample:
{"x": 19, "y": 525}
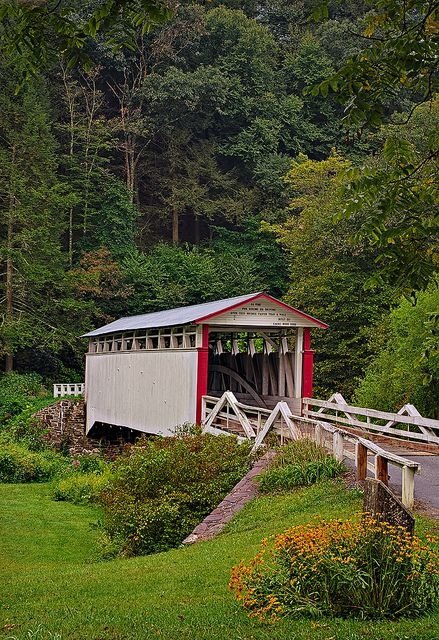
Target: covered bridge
{"x": 150, "y": 372}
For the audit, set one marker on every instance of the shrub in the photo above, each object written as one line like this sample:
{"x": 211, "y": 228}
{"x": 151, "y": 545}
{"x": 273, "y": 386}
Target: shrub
{"x": 15, "y": 392}
{"x": 21, "y": 396}
{"x": 301, "y": 474}
{"x": 298, "y": 451}
{"x": 151, "y": 526}
{"x": 366, "y": 569}
{"x": 19, "y": 464}
{"x": 26, "y": 429}
{"x": 91, "y": 464}
{"x": 299, "y": 464}
{"x": 162, "y": 488}
{"x": 80, "y": 488}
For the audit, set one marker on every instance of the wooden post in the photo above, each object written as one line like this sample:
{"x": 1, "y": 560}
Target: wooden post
{"x": 381, "y": 469}
{"x": 281, "y": 375}
{"x": 361, "y": 461}
{"x": 338, "y": 445}
{"x": 408, "y": 487}
{"x": 318, "y": 434}
{"x": 265, "y": 366}
{"x": 203, "y": 409}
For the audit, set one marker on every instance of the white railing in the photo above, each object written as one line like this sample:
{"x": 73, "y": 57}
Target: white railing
{"x": 407, "y": 424}
{"x": 226, "y": 415}
{"x": 344, "y": 444}
{"x": 69, "y": 389}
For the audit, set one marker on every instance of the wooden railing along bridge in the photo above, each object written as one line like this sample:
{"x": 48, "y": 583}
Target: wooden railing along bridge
{"x": 227, "y": 415}
{"x": 68, "y": 389}
{"x": 407, "y": 424}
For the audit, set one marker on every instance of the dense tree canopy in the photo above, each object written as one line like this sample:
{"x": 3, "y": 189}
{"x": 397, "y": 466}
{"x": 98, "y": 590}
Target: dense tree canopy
{"x": 407, "y": 366}
{"x": 328, "y": 271}
{"x": 397, "y": 69}
{"x": 142, "y": 168}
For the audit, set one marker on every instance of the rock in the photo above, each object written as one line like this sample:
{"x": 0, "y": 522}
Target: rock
{"x": 380, "y": 503}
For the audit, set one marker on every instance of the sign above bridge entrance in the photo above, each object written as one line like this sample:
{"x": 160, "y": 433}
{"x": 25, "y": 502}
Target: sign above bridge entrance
{"x": 261, "y": 313}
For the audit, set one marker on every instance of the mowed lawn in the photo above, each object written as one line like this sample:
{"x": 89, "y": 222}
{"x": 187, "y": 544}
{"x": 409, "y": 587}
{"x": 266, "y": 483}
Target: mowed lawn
{"x": 53, "y": 587}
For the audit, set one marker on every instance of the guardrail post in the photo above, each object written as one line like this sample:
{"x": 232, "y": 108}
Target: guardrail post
{"x": 361, "y": 461}
{"x": 381, "y": 469}
{"x": 337, "y": 446}
{"x": 408, "y": 487}
{"x": 305, "y": 410}
{"x": 318, "y": 435}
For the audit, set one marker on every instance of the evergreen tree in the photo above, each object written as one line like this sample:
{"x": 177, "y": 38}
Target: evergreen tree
{"x": 35, "y": 297}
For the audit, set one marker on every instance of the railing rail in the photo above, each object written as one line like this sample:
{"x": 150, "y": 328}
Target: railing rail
{"x": 228, "y": 415}
{"x": 336, "y": 410}
{"x": 344, "y": 444}
{"x": 68, "y": 389}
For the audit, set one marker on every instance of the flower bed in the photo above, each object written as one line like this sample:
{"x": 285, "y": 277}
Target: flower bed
{"x": 366, "y": 569}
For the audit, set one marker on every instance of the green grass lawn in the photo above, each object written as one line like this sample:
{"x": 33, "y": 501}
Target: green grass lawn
{"x": 52, "y": 586}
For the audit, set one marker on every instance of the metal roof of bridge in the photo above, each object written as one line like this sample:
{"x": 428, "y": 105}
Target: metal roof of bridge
{"x": 196, "y": 313}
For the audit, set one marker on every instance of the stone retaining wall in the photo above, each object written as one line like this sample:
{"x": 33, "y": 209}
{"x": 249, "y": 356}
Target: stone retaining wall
{"x": 64, "y": 423}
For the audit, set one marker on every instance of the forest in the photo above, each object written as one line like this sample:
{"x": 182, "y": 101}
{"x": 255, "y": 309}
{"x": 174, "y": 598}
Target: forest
{"x": 217, "y": 155}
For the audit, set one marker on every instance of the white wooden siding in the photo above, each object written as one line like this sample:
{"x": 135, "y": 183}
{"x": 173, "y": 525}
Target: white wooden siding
{"x": 151, "y": 391}
{"x": 261, "y": 313}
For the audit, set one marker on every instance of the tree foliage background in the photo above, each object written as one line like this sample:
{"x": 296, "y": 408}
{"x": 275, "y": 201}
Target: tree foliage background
{"x": 158, "y": 154}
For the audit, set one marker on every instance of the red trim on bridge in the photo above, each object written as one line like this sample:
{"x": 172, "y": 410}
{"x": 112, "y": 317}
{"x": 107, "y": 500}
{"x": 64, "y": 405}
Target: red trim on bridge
{"x": 307, "y": 364}
{"x": 265, "y": 296}
{"x": 202, "y": 370}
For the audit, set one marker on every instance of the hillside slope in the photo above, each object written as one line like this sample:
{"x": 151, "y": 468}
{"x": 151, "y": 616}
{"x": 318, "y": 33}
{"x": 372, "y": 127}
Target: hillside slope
{"x": 52, "y": 588}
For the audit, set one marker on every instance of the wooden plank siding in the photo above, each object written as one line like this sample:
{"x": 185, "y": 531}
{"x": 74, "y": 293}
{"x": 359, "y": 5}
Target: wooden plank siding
{"x": 151, "y": 391}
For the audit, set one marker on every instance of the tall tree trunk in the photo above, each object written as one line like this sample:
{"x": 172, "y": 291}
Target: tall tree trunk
{"x": 130, "y": 165}
{"x": 9, "y": 359}
{"x": 175, "y": 229}
{"x": 70, "y": 101}
{"x": 197, "y": 229}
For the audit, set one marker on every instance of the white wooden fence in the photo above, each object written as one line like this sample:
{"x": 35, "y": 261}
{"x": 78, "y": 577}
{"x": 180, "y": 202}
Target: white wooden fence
{"x": 407, "y": 424}
{"x": 226, "y": 415}
{"x": 69, "y": 389}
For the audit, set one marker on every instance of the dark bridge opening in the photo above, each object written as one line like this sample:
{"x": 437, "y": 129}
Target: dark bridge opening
{"x": 260, "y": 368}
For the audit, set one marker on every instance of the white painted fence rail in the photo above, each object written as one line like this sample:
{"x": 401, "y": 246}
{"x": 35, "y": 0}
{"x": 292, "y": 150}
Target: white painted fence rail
{"x": 344, "y": 445}
{"x": 225, "y": 415}
{"x": 69, "y": 389}
{"x": 412, "y": 426}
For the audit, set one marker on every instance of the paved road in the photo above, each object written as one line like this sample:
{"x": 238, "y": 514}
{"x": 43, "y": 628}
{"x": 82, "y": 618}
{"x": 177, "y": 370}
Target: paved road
{"x": 426, "y": 482}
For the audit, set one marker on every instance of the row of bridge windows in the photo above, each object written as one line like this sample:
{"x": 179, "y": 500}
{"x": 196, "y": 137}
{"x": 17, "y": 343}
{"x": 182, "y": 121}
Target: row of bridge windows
{"x": 167, "y": 338}
{"x": 186, "y": 338}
